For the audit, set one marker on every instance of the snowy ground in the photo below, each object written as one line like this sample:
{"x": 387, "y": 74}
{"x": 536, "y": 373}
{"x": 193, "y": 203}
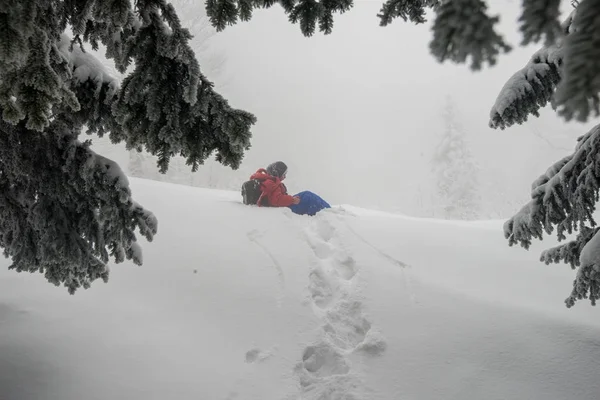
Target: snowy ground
{"x": 242, "y": 303}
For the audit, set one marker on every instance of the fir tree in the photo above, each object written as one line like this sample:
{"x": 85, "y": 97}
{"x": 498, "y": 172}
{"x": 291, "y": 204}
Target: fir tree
{"x": 65, "y": 211}
{"x": 564, "y": 198}
{"x": 455, "y": 171}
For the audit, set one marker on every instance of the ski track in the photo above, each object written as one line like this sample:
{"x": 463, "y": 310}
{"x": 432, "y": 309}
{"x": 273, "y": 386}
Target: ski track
{"x": 253, "y": 236}
{"x": 325, "y": 370}
{"x": 392, "y": 260}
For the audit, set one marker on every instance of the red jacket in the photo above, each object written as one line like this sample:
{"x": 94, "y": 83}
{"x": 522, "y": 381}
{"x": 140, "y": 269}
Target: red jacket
{"x": 273, "y": 189}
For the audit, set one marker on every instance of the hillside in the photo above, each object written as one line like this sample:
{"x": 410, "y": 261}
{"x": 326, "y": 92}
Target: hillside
{"x": 236, "y": 302}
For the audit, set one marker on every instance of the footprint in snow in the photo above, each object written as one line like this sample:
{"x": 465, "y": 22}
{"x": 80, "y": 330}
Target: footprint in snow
{"x": 346, "y": 267}
{"x": 257, "y": 355}
{"x": 325, "y": 230}
{"x": 346, "y": 325}
{"x": 323, "y": 360}
{"x": 320, "y": 287}
{"x": 323, "y": 250}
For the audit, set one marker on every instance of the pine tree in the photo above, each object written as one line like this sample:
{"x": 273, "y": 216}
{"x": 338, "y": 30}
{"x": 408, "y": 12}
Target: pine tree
{"x": 455, "y": 171}
{"x": 562, "y": 73}
{"x": 65, "y": 211}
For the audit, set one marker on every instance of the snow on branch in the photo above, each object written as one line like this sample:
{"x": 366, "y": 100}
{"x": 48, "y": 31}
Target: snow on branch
{"x": 114, "y": 175}
{"x": 85, "y": 66}
{"x": 111, "y": 170}
{"x": 569, "y": 252}
{"x": 560, "y": 197}
{"x": 587, "y": 281}
{"x": 565, "y": 198}
{"x": 529, "y": 89}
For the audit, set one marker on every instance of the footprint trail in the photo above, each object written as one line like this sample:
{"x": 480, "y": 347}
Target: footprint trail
{"x": 325, "y": 371}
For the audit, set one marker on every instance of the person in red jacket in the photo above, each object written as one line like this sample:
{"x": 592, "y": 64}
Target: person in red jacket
{"x": 274, "y": 192}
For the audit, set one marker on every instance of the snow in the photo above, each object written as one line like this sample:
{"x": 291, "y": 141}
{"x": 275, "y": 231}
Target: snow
{"x": 246, "y": 303}
{"x": 86, "y": 65}
{"x": 590, "y": 254}
{"x": 112, "y": 170}
{"x": 519, "y": 84}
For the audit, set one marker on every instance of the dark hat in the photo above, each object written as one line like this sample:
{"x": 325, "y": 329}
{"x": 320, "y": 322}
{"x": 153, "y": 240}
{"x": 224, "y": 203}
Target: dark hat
{"x": 277, "y": 169}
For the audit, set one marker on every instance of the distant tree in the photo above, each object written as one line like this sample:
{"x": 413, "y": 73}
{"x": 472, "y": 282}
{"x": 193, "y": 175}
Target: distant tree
{"x": 455, "y": 171}
{"x": 136, "y": 163}
{"x": 65, "y": 210}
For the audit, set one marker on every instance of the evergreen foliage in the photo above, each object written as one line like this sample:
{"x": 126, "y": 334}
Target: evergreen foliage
{"x": 65, "y": 210}
{"x": 462, "y": 30}
{"x": 564, "y": 73}
{"x": 529, "y": 89}
{"x": 413, "y": 10}
{"x": 307, "y": 13}
{"x": 577, "y": 94}
{"x": 540, "y": 18}
{"x": 564, "y": 198}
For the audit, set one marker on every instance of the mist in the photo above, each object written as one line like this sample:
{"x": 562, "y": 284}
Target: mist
{"x": 356, "y": 114}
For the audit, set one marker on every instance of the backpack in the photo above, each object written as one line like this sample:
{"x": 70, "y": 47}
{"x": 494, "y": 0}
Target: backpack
{"x": 251, "y": 192}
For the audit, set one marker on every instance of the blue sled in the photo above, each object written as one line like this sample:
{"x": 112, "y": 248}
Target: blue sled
{"x": 310, "y": 204}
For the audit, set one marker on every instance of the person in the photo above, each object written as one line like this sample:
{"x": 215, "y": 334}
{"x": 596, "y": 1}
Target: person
{"x": 274, "y": 192}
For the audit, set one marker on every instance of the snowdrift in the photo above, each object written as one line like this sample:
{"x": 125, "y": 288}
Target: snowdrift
{"x": 235, "y": 302}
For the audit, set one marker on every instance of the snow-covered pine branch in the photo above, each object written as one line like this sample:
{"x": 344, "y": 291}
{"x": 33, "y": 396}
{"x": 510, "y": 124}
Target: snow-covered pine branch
{"x": 65, "y": 210}
{"x": 564, "y": 72}
{"x": 533, "y": 87}
{"x": 569, "y": 252}
{"x": 564, "y": 198}
{"x": 84, "y": 65}
{"x": 529, "y": 89}
{"x": 587, "y": 281}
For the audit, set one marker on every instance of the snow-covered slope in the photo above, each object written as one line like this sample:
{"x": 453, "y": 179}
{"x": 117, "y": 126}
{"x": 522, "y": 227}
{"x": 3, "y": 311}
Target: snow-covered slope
{"x": 244, "y": 303}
